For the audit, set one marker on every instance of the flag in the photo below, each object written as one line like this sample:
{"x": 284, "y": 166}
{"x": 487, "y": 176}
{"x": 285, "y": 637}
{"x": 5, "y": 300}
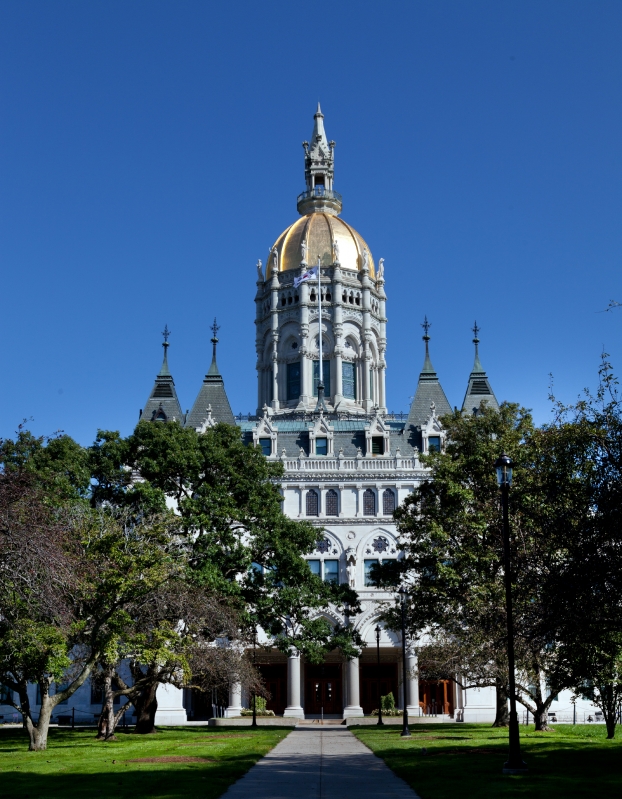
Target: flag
{"x": 305, "y": 276}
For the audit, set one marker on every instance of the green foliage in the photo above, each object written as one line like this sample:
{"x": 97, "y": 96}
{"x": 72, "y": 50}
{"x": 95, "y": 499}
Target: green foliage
{"x": 387, "y": 702}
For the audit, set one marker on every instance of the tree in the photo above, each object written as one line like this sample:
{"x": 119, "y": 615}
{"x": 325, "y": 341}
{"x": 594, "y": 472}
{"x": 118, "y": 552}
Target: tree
{"x": 69, "y": 574}
{"x": 451, "y": 527}
{"x": 243, "y": 545}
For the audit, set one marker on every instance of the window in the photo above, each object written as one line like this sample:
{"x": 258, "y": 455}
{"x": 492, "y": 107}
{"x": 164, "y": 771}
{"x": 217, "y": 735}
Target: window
{"x": 256, "y": 569}
{"x": 369, "y": 503}
{"x": 331, "y": 571}
{"x": 321, "y": 446}
{"x": 332, "y": 503}
{"x": 293, "y": 380}
{"x": 377, "y": 445}
{"x": 434, "y": 444}
{"x": 315, "y": 566}
{"x": 348, "y": 372}
{"x": 325, "y": 374}
{"x": 313, "y": 503}
{"x": 388, "y": 502}
{"x": 368, "y": 565}
{"x": 266, "y": 446}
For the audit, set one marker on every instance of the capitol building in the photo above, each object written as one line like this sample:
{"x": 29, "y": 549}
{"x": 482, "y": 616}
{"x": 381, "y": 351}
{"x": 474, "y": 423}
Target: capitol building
{"x": 348, "y": 463}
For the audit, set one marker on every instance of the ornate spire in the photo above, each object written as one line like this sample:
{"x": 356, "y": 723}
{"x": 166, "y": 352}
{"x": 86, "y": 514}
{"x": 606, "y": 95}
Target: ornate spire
{"x": 428, "y": 369}
{"x": 319, "y": 172}
{"x": 213, "y": 370}
{"x": 477, "y": 366}
{"x": 164, "y": 371}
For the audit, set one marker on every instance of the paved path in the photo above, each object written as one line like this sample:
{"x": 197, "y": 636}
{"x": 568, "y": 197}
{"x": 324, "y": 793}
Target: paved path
{"x": 320, "y": 763}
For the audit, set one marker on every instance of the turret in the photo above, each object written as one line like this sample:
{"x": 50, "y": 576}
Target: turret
{"x": 163, "y": 404}
{"x": 478, "y": 388}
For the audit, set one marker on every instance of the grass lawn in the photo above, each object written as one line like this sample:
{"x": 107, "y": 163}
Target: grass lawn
{"x": 76, "y": 766}
{"x": 447, "y": 760}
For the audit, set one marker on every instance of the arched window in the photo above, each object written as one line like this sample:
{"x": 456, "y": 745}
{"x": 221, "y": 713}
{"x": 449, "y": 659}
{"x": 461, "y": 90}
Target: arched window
{"x": 313, "y": 503}
{"x": 369, "y": 503}
{"x": 388, "y": 502}
{"x": 332, "y": 503}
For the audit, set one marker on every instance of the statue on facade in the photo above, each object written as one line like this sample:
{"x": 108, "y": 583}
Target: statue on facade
{"x": 336, "y": 250}
{"x": 366, "y": 259}
{"x": 259, "y": 270}
{"x": 303, "y": 251}
{"x": 381, "y": 269}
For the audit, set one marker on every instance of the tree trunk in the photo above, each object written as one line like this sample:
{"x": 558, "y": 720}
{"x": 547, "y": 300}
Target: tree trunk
{"x": 502, "y": 718}
{"x": 541, "y": 718}
{"x": 146, "y": 706}
{"x": 611, "y": 727}
{"x": 38, "y": 733}
{"x": 106, "y": 724}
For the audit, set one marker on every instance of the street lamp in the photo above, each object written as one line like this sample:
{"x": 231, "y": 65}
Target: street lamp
{"x": 515, "y": 763}
{"x": 380, "y": 721}
{"x": 254, "y": 721}
{"x": 402, "y": 592}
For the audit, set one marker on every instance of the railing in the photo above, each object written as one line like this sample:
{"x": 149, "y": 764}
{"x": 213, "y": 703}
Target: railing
{"x": 319, "y": 191}
{"x": 324, "y": 464}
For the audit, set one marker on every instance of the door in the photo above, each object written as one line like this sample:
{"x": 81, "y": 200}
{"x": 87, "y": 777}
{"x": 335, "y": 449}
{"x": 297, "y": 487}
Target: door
{"x": 436, "y": 697}
{"x": 377, "y": 681}
{"x": 323, "y": 690}
{"x": 275, "y": 678}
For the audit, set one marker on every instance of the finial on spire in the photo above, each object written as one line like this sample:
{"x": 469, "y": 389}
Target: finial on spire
{"x": 215, "y": 328}
{"x": 166, "y": 333}
{"x": 426, "y": 326}
{"x": 475, "y": 330}
{"x": 319, "y": 110}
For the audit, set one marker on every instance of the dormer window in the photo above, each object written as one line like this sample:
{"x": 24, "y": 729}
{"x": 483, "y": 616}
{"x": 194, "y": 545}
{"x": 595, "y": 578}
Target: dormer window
{"x": 377, "y": 445}
{"x": 321, "y": 446}
{"x": 266, "y": 446}
{"x": 434, "y": 444}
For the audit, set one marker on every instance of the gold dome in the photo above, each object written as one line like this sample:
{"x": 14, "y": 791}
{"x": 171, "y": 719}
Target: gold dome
{"x": 320, "y": 231}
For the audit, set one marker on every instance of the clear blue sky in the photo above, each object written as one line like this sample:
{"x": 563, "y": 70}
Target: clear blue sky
{"x": 150, "y": 152}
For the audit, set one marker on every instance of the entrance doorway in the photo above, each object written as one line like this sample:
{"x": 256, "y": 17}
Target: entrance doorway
{"x": 377, "y": 681}
{"x": 323, "y": 690}
{"x": 436, "y": 697}
{"x": 275, "y": 678}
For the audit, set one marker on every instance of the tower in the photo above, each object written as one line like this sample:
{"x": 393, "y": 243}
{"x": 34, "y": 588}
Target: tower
{"x": 353, "y": 323}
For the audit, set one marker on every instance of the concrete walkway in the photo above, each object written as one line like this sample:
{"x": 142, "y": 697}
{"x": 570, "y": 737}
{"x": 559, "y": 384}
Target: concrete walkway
{"x": 316, "y": 762}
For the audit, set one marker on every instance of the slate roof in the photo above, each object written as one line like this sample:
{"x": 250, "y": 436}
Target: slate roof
{"x": 212, "y": 393}
{"x": 163, "y": 404}
{"x": 429, "y": 390}
{"x": 478, "y": 388}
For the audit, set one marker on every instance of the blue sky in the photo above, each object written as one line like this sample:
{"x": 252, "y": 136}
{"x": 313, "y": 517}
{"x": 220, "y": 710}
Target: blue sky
{"x": 150, "y": 152}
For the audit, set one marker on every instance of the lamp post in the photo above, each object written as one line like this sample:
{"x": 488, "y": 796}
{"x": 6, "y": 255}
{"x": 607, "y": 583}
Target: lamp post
{"x": 380, "y": 721}
{"x": 254, "y": 721}
{"x": 515, "y": 763}
{"x": 405, "y": 731}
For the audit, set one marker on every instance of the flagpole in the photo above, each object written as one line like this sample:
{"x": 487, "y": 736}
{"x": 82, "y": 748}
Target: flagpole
{"x": 320, "y": 385}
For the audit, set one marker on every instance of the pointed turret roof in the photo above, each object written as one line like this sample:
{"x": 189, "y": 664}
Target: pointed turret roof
{"x": 478, "y": 388}
{"x": 429, "y": 390}
{"x": 163, "y": 404}
{"x": 212, "y": 398}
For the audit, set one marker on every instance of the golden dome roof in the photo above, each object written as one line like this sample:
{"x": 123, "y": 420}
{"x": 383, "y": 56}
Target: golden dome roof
{"x": 320, "y": 230}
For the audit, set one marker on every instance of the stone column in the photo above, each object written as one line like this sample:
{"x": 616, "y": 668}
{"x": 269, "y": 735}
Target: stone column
{"x": 305, "y": 374}
{"x": 171, "y": 708}
{"x": 294, "y": 707}
{"x": 235, "y": 700}
{"x": 412, "y": 683}
{"x": 353, "y": 708}
{"x": 338, "y": 335}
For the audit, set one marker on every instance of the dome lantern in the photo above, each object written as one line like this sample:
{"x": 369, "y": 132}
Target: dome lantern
{"x": 319, "y": 172}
